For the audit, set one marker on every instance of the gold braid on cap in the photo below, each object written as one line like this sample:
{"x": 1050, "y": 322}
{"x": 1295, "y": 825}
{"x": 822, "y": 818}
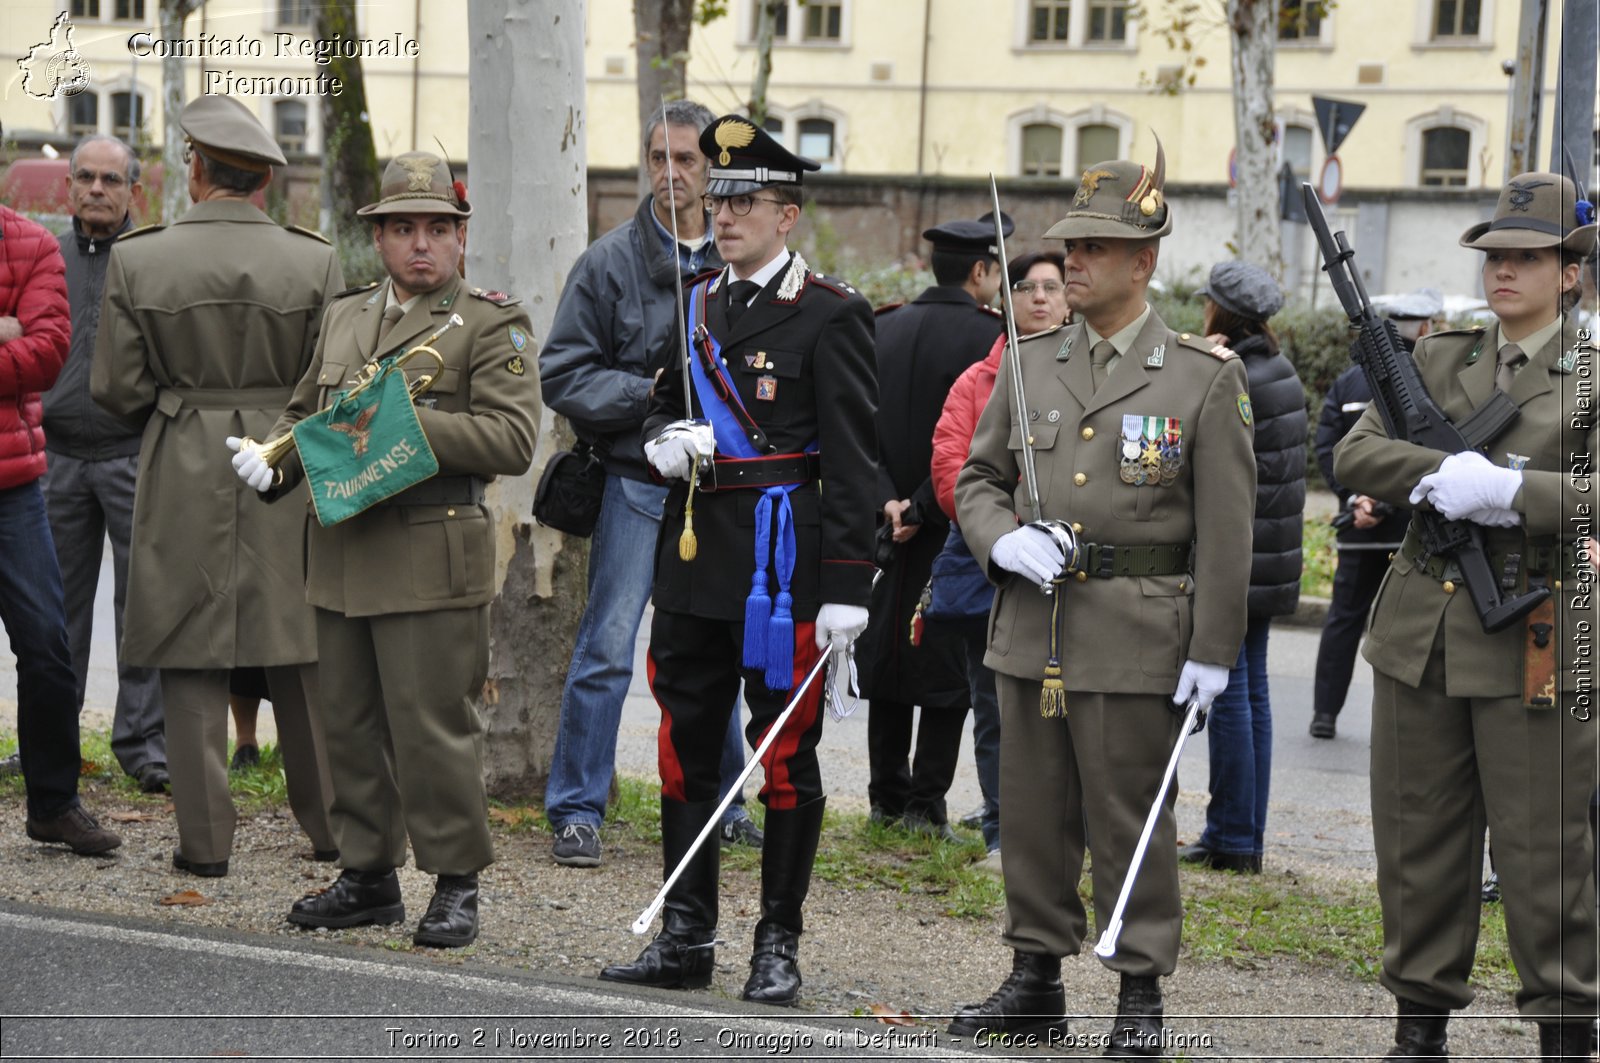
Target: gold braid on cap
{"x": 732, "y": 134}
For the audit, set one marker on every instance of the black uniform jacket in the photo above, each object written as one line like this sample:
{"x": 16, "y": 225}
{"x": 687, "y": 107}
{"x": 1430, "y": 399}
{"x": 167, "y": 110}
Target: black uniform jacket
{"x": 803, "y": 367}
{"x": 923, "y": 346}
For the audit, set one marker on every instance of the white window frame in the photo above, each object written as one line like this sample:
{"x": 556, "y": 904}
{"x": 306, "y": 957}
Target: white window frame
{"x": 312, "y": 113}
{"x": 1077, "y": 31}
{"x": 1300, "y": 116}
{"x": 1068, "y": 123}
{"x": 797, "y": 22}
{"x": 1424, "y": 37}
{"x": 1477, "y": 136}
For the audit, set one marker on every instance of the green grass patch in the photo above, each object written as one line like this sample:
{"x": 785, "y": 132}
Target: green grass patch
{"x": 1320, "y": 557}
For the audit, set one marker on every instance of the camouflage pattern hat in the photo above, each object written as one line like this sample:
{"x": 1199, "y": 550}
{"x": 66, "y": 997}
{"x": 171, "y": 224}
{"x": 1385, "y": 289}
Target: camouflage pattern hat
{"x": 224, "y": 129}
{"x": 419, "y": 182}
{"x": 1537, "y": 210}
{"x": 1118, "y": 200}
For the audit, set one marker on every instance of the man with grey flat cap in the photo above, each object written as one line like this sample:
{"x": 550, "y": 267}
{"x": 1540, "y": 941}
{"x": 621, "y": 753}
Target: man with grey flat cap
{"x": 1368, "y": 530}
{"x": 922, "y": 347}
{"x": 207, "y": 324}
{"x": 401, "y": 590}
{"x": 1141, "y": 440}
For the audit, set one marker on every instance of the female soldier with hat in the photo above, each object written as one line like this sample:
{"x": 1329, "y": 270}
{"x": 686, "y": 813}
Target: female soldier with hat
{"x": 1472, "y": 729}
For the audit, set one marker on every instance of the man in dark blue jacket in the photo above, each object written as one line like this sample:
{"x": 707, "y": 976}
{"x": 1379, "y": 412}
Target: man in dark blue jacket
{"x": 615, "y": 331}
{"x": 94, "y": 456}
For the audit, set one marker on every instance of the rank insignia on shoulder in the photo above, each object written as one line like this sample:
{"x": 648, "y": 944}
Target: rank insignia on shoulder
{"x": 497, "y": 298}
{"x": 519, "y": 339}
{"x": 356, "y": 290}
{"x": 516, "y": 366}
{"x": 1245, "y": 413}
{"x": 303, "y": 231}
{"x": 153, "y": 227}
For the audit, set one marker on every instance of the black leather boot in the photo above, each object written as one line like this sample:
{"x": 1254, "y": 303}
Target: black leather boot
{"x": 1031, "y": 998}
{"x": 355, "y": 899}
{"x": 1565, "y": 1040}
{"x": 786, "y": 859}
{"x": 682, "y": 955}
{"x": 1137, "y": 1032}
{"x": 1419, "y": 1032}
{"x": 451, "y": 920}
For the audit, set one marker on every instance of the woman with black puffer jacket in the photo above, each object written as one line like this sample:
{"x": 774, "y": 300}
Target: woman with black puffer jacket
{"x": 1239, "y": 300}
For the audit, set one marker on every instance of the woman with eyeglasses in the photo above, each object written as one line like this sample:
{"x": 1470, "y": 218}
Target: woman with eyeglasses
{"x": 1039, "y": 299}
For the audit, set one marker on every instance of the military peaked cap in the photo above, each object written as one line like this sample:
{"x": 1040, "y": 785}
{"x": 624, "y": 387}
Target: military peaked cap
{"x": 969, "y": 237}
{"x": 224, "y": 129}
{"x": 745, "y": 158}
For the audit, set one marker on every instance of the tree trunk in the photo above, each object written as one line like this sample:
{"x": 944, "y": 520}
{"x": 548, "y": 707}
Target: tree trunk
{"x": 765, "y": 26}
{"x": 661, "y": 50}
{"x": 1253, "y": 25}
{"x": 174, "y": 179}
{"x": 527, "y": 150}
{"x": 349, "y": 160}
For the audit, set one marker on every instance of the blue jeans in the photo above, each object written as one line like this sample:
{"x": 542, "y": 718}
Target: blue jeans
{"x": 985, "y": 729}
{"x": 621, "y": 567}
{"x": 35, "y": 617}
{"x": 1240, "y": 739}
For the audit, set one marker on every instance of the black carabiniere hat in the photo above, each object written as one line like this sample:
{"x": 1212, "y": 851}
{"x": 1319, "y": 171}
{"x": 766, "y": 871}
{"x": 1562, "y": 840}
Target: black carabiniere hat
{"x": 745, "y": 158}
{"x": 969, "y": 237}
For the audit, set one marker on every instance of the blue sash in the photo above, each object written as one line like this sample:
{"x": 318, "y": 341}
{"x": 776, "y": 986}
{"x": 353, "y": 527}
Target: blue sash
{"x": 768, "y": 621}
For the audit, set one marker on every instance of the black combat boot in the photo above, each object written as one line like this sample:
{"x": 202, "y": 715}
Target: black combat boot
{"x": 1565, "y": 1040}
{"x": 1419, "y": 1032}
{"x": 451, "y": 921}
{"x": 682, "y": 954}
{"x": 1137, "y": 1032}
{"x": 786, "y": 859}
{"x": 355, "y": 899}
{"x": 1031, "y": 998}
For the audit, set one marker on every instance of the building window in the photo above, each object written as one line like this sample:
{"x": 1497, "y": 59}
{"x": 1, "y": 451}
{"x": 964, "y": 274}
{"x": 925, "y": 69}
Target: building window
{"x": 1296, "y": 148}
{"x": 1456, "y": 18}
{"x": 1108, "y": 20}
{"x": 83, "y": 114}
{"x": 1050, "y": 20}
{"x": 295, "y": 12}
{"x": 1097, "y": 143}
{"x": 824, "y": 20}
{"x": 817, "y": 142}
{"x": 1446, "y": 152}
{"x": 1041, "y": 150}
{"x": 127, "y": 116}
{"x": 289, "y": 126}
{"x": 780, "y": 22}
{"x": 128, "y": 10}
{"x": 86, "y": 9}
{"x": 1299, "y": 20}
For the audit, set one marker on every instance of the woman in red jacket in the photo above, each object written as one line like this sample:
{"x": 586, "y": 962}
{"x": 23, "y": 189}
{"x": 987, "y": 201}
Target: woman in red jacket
{"x": 1039, "y": 298}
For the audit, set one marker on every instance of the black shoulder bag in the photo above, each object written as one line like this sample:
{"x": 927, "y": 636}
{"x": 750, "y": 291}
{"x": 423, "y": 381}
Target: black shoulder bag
{"x": 571, "y": 488}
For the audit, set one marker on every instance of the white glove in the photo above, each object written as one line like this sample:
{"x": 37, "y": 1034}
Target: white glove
{"x": 679, "y": 446}
{"x": 248, "y": 463}
{"x": 1465, "y": 483}
{"x": 838, "y": 625}
{"x": 1494, "y": 517}
{"x": 1029, "y": 552}
{"x": 1202, "y": 682}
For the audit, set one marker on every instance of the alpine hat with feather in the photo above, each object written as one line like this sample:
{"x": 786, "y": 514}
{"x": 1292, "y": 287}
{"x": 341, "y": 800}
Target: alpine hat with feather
{"x": 1537, "y": 210}
{"x": 1118, "y": 200}
{"x": 419, "y": 182}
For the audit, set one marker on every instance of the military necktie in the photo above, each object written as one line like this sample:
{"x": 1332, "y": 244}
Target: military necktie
{"x": 739, "y": 295}
{"x": 391, "y": 314}
{"x": 1100, "y": 360}
{"x": 1511, "y": 359}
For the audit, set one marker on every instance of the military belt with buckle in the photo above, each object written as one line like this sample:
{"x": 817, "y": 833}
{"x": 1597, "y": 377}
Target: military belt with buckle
{"x": 1104, "y": 561}
{"x": 440, "y": 491}
{"x": 730, "y": 474}
{"x": 1542, "y": 555}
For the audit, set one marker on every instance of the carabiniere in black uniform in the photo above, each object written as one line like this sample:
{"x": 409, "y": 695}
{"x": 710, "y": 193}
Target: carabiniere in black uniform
{"x": 800, "y": 362}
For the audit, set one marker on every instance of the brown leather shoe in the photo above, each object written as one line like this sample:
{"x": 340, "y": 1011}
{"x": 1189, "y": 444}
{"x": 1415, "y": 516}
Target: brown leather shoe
{"x": 75, "y": 829}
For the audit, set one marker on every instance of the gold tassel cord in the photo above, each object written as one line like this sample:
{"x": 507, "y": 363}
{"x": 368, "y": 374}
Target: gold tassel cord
{"x": 1053, "y": 696}
{"x": 688, "y": 545}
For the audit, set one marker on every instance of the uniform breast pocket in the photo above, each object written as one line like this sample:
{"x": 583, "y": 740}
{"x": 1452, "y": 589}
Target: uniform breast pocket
{"x": 1043, "y": 438}
{"x": 452, "y": 555}
{"x": 445, "y": 383}
{"x": 772, "y": 384}
{"x": 1145, "y": 480}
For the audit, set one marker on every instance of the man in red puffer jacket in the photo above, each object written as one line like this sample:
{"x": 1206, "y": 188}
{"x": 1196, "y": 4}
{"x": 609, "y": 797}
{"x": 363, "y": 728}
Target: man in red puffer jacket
{"x": 35, "y": 330}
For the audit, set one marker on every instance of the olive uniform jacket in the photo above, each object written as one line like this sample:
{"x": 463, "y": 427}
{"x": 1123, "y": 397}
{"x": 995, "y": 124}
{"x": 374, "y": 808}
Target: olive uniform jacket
{"x": 1127, "y": 634}
{"x": 432, "y": 546}
{"x": 1553, "y": 442}
{"x": 210, "y": 322}
{"x": 803, "y": 367}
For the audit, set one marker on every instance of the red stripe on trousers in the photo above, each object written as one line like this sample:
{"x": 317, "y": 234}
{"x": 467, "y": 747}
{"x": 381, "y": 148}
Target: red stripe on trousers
{"x": 779, "y": 792}
{"x": 666, "y": 755}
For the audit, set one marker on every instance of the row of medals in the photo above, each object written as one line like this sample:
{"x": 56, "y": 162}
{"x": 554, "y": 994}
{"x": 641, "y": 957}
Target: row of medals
{"x": 1152, "y": 450}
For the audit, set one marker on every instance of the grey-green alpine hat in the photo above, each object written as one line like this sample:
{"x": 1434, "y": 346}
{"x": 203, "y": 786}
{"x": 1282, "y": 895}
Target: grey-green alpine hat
{"x": 1118, "y": 200}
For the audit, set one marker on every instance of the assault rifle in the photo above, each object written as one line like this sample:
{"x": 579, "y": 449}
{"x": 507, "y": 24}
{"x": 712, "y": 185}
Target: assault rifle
{"x": 1409, "y": 413}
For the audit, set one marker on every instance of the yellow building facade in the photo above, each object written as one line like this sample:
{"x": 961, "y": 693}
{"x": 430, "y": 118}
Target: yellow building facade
{"x": 898, "y": 87}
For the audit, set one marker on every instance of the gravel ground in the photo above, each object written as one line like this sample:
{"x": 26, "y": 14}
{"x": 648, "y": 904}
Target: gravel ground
{"x": 863, "y": 947}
